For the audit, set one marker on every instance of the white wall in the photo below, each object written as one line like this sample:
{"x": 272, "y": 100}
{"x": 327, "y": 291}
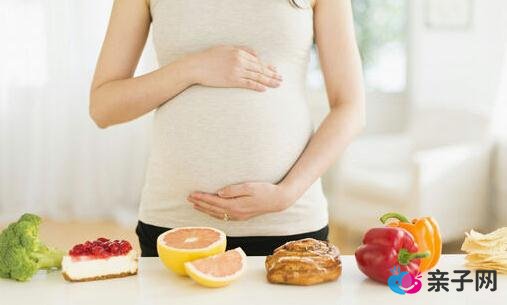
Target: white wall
{"x": 462, "y": 68}
{"x": 500, "y": 168}
{"x": 457, "y": 67}
{"x": 447, "y": 68}
{"x": 500, "y": 183}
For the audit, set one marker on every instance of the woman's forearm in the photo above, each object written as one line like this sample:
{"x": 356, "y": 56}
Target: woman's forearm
{"x": 119, "y": 101}
{"x": 337, "y": 130}
{"x": 341, "y": 66}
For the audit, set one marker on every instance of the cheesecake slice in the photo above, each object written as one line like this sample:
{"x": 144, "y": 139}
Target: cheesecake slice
{"x": 99, "y": 260}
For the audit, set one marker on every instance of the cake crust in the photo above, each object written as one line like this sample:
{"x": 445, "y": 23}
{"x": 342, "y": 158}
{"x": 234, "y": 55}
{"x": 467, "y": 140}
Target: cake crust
{"x": 304, "y": 262}
{"x": 98, "y": 278}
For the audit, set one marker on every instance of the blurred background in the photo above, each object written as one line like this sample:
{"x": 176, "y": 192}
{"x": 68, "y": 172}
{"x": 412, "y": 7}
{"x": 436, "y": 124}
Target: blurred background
{"x": 435, "y": 141}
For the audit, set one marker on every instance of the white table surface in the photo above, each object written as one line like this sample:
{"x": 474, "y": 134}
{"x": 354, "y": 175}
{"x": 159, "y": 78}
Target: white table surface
{"x": 156, "y": 285}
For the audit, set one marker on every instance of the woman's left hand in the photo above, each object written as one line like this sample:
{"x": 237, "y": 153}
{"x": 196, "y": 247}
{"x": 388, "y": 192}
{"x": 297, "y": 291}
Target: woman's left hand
{"x": 242, "y": 201}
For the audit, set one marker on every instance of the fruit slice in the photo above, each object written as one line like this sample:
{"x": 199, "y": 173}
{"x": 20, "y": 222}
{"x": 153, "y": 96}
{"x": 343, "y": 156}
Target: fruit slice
{"x": 178, "y": 246}
{"x": 217, "y": 270}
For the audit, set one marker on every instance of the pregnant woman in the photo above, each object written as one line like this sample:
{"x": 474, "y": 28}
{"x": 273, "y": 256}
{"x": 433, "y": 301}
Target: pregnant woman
{"x": 233, "y": 145}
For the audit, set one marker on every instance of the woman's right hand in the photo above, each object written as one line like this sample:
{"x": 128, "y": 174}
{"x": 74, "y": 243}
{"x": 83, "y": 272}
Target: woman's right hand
{"x": 229, "y": 66}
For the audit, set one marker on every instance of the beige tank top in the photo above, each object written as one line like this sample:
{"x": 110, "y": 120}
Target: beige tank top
{"x": 207, "y": 138}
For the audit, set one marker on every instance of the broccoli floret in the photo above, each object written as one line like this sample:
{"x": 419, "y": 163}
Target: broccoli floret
{"x": 22, "y": 254}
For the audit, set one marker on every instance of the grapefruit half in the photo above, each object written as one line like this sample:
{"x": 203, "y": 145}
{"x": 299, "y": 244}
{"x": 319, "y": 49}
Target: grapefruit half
{"x": 218, "y": 270}
{"x": 180, "y": 245}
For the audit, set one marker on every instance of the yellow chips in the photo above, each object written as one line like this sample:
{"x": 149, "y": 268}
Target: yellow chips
{"x": 486, "y": 251}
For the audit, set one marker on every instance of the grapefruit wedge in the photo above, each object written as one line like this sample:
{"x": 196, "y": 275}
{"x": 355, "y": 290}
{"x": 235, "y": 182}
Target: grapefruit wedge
{"x": 218, "y": 270}
{"x": 180, "y": 245}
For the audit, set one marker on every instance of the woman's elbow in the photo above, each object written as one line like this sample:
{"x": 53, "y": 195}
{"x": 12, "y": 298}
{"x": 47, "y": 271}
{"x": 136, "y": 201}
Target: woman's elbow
{"x": 97, "y": 114}
{"x": 355, "y": 113}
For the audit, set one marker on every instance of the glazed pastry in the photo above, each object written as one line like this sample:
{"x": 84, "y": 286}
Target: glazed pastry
{"x": 304, "y": 262}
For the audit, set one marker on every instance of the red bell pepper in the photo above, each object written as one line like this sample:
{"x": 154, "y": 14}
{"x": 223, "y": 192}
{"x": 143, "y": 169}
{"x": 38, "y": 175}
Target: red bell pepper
{"x": 386, "y": 248}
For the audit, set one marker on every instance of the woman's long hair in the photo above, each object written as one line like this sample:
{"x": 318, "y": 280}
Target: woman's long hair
{"x": 301, "y": 3}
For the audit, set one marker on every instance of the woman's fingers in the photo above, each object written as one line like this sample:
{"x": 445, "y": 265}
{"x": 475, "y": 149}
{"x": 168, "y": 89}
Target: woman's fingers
{"x": 206, "y": 208}
{"x": 210, "y": 213}
{"x": 255, "y": 65}
{"x": 271, "y": 67}
{"x": 261, "y": 68}
{"x": 235, "y": 190}
{"x": 257, "y": 77}
{"x": 215, "y": 211}
{"x": 261, "y": 78}
{"x": 204, "y": 205}
{"x": 253, "y": 74}
{"x": 250, "y": 84}
{"x": 248, "y": 50}
{"x": 217, "y": 207}
{"x": 210, "y": 199}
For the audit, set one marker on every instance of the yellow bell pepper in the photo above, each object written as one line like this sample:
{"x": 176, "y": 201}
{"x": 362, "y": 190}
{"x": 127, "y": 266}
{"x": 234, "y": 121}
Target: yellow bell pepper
{"x": 426, "y": 233}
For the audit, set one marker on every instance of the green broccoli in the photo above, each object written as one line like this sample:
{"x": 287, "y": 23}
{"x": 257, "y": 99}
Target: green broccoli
{"x": 22, "y": 254}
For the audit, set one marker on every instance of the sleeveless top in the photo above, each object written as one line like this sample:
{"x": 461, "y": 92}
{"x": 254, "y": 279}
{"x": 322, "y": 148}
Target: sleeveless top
{"x": 207, "y": 138}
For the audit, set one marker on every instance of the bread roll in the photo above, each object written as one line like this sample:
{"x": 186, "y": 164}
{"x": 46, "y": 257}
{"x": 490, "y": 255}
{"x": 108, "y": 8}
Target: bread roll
{"x": 304, "y": 262}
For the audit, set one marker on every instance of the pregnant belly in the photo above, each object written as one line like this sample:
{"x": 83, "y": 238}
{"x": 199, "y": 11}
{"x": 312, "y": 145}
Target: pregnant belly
{"x": 207, "y": 138}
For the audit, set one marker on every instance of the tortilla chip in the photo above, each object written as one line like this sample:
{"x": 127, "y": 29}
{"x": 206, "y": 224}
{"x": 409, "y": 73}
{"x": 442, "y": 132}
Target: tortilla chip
{"x": 486, "y": 251}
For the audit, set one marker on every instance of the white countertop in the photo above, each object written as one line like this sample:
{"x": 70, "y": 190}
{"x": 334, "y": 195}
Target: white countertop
{"x": 156, "y": 285}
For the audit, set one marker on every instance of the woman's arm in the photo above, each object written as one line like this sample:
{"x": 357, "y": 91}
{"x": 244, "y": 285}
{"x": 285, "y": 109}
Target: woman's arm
{"x": 341, "y": 66}
{"x": 116, "y": 96}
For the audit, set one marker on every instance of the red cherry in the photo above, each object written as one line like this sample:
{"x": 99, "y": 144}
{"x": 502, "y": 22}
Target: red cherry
{"x": 77, "y": 250}
{"x": 125, "y": 247}
{"x": 114, "y": 248}
{"x": 101, "y": 248}
{"x": 96, "y": 250}
{"x": 86, "y": 248}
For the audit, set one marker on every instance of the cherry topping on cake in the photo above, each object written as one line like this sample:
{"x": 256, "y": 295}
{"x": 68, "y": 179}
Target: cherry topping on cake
{"x": 101, "y": 248}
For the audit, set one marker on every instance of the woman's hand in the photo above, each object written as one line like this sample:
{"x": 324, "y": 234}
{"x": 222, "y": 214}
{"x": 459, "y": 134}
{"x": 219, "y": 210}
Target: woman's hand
{"x": 242, "y": 201}
{"x": 228, "y": 66}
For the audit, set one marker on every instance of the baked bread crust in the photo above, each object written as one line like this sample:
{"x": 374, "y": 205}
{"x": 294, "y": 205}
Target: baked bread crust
{"x": 304, "y": 262}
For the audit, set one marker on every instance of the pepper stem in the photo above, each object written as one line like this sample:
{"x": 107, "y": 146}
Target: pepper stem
{"x": 390, "y": 215}
{"x": 404, "y": 257}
